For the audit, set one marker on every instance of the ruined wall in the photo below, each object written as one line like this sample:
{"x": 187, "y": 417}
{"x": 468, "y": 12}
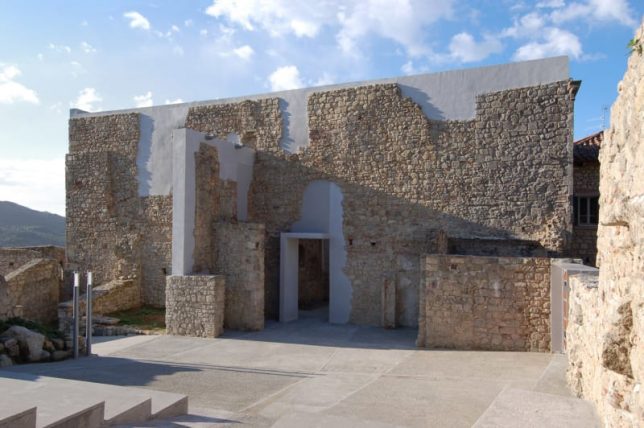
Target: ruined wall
{"x": 110, "y": 229}
{"x": 31, "y": 291}
{"x": 492, "y": 303}
{"x": 608, "y": 368}
{"x": 195, "y": 305}
{"x": 14, "y": 257}
{"x": 239, "y": 256}
{"x": 402, "y": 175}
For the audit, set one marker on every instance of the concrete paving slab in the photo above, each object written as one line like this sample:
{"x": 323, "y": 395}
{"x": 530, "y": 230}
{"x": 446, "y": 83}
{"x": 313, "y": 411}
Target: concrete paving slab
{"x": 312, "y": 395}
{"x": 420, "y": 402}
{"x": 17, "y": 415}
{"x": 107, "y": 345}
{"x": 507, "y": 366}
{"x": 259, "y": 355}
{"x": 313, "y": 420}
{"x": 350, "y": 360}
{"x": 517, "y": 408}
{"x": 553, "y": 379}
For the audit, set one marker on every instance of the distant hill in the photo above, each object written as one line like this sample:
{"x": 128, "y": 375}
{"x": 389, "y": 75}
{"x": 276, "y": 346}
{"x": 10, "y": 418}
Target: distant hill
{"x": 21, "y": 226}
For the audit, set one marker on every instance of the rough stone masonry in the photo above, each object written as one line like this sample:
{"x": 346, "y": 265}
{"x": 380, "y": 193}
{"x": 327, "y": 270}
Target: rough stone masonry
{"x": 482, "y": 157}
{"x": 606, "y": 328}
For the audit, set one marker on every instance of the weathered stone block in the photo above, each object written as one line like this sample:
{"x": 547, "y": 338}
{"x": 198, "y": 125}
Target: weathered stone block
{"x": 195, "y": 305}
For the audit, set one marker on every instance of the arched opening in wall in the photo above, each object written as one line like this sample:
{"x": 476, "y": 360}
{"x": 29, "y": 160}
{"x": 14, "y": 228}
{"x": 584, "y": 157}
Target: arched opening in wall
{"x": 312, "y": 259}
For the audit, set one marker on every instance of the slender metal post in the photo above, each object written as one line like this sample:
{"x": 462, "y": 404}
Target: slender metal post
{"x": 76, "y": 315}
{"x": 88, "y": 316}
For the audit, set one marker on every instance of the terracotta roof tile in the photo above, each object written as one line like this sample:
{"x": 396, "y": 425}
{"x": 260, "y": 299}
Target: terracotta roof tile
{"x": 587, "y": 149}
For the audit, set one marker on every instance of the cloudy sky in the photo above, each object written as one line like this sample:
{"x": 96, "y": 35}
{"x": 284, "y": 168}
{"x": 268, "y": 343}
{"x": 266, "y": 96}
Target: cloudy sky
{"x": 104, "y": 55}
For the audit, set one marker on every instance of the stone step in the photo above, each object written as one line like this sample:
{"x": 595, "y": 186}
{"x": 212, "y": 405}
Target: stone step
{"x": 520, "y": 408}
{"x": 121, "y": 405}
{"x": 16, "y": 416}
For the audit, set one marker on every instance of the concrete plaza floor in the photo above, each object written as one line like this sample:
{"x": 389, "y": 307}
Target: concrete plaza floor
{"x": 313, "y": 374}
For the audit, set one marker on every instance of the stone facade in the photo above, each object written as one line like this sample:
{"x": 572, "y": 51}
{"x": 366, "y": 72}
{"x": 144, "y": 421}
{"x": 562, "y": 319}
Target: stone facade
{"x": 500, "y": 180}
{"x": 491, "y": 303}
{"x": 31, "y": 291}
{"x": 195, "y": 305}
{"x": 239, "y": 253}
{"x": 586, "y": 184}
{"x": 607, "y": 366}
{"x": 111, "y": 231}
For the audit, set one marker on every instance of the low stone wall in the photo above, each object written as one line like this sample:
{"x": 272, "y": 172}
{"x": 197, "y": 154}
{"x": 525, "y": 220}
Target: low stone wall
{"x": 195, "y": 305}
{"x": 492, "y": 303}
{"x": 11, "y": 258}
{"x": 31, "y": 291}
{"x": 239, "y": 255}
{"x": 117, "y": 295}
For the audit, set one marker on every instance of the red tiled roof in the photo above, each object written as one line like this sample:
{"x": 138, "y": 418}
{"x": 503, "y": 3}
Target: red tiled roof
{"x": 587, "y": 149}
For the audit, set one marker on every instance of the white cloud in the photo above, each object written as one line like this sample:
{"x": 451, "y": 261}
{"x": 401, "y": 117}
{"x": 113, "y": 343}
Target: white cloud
{"x": 203, "y": 32}
{"x": 464, "y": 48}
{"x": 284, "y": 78}
{"x": 551, "y": 4}
{"x": 36, "y": 183}
{"x": 87, "y": 100}
{"x": 77, "y": 69}
{"x": 410, "y": 68}
{"x": 60, "y": 48}
{"x": 188, "y": 23}
{"x": 555, "y": 41}
{"x": 325, "y": 79}
{"x": 174, "y": 28}
{"x": 402, "y": 21}
{"x": 12, "y": 91}
{"x": 137, "y": 20}
{"x": 596, "y": 10}
{"x": 244, "y": 52}
{"x": 84, "y": 23}
{"x": 87, "y": 48}
{"x": 529, "y": 25}
{"x": 175, "y": 101}
{"x": 144, "y": 100}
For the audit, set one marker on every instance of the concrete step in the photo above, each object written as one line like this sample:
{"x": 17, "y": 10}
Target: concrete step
{"x": 520, "y": 408}
{"x": 16, "y": 416}
{"x": 55, "y": 397}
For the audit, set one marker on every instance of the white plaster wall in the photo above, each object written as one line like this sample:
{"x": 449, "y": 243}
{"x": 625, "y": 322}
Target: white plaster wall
{"x": 235, "y": 164}
{"x": 322, "y": 213}
{"x": 448, "y": 95}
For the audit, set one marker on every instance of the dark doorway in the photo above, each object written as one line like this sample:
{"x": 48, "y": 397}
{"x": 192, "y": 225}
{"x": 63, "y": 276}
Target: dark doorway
{"x": 313, "y": 278}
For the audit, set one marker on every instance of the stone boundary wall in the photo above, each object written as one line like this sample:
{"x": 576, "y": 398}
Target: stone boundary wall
{"x": 239, "y": 256}
{"x": 195, "y": 305}
{"x": 31, "y": 291}
{"x": 607, "y": 339}
{"x": 491, "y": 303}
{"x": 11, "y": 258}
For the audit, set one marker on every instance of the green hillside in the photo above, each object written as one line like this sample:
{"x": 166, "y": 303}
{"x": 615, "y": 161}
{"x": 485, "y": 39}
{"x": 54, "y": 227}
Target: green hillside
{"x": 21, "y": 226}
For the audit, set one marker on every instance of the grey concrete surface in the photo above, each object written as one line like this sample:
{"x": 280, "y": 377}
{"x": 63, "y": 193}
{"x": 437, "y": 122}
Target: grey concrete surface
{"x": 310, "y": 373}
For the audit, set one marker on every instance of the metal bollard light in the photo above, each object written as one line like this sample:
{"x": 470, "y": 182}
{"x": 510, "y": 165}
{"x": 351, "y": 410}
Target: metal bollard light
{"x": 76, "y": 315}
{"x": 88, "y": 316}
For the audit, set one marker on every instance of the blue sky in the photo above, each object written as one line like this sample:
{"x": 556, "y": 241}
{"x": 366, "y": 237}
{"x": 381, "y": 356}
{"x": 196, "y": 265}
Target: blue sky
{"x": 104, "y": 55}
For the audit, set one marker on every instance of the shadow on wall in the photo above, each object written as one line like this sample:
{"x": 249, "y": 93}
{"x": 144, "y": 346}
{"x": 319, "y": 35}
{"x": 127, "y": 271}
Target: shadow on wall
{"x": 383, "y": 235}
{"x": 421, "y": 98}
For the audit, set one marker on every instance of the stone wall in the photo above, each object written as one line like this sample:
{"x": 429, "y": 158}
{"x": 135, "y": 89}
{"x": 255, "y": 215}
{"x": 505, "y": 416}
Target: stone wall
{"x": 239, "y": 256}
{"x": 608, "y": 367}
{"x": 584, "y": 238}
{"x": 11, "y": 258}
{"x": 492, "y": 303}
{"x": 505, "y": 174}
{"x": 110, "y": 229}
{"x": 396, "y": 170}
{"x": 195, "y": 305}
{"x": 31, "y": 291}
